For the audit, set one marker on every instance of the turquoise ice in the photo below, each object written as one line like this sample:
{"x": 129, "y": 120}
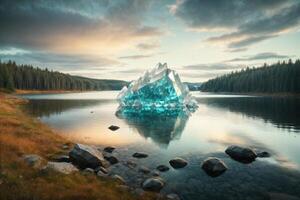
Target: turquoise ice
{"x": 159, "y": 90}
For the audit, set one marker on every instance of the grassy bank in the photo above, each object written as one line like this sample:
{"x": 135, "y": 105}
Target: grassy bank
{"x": 21, "y": 134}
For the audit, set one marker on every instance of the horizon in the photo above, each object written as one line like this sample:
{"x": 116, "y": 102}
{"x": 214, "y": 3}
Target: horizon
{"x": 120, "y": 40}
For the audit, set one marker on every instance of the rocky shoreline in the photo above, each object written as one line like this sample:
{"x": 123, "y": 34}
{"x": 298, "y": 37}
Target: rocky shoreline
{"x": 93, "y": 161}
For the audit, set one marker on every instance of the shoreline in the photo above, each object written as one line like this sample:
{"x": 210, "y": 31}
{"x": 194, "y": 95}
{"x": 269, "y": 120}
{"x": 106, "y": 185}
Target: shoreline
{"x": 21, "y": 136}
{"x": 20, "y": 92}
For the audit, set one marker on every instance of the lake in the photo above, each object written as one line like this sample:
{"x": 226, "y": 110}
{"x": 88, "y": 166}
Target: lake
{"x": 269, "y": 124}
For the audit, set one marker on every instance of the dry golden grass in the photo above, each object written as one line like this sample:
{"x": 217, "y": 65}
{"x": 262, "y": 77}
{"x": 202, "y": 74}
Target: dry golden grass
{"x": 21, "y": 134}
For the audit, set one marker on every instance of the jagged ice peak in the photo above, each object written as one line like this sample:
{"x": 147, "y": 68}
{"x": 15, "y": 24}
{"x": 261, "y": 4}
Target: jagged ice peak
{"x": 159, "y": 90}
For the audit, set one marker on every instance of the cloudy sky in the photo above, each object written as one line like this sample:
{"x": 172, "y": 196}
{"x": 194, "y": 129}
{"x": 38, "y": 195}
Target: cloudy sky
{"x": 120, "y": 39}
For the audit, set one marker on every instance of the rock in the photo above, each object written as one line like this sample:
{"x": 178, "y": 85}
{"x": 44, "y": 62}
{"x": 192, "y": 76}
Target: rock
{"x": 102, "y": 169}
{"x": 263, "y": 154}
{"x": 113, "y": 128}
{"x": 33, "y": 160}
{"x": 162, "y": 168}
{"x": 241, "y": 154}
{"x": 102, "y": 174}
{"x": 177, "y": 163}
{"x": 153, "y": 184}
{"x": 138, "y": 191}
{"x": 65, "y": 146}
{"x": 62, "y": 167}
{"x": 130, "y": 164}
{"x": 109, "y": 149}
{"x": 214, "y": 166}
{"x": 62, "y": 158}
{"x": 118, "y": 178}
{"x": 144, "y": 170}
{"x": 111, "y": 159}
{"x": 140, "y": 155}
{"x": 88, "y": 171}
{"x": 86, "y": 156}
{"x": 155, "y": 173}
{"x": 173, "y": 196}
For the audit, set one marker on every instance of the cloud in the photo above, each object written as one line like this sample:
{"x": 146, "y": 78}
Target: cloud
{"x": 211, "y": 66}
{"x": 94, "y": 27}
{"x": 147, "y": 46}
{"x": 260, "y": 56}
{"x": 248, "y": 22}
{"x": 136, "y": 57}
{"x": 61, "y": 62}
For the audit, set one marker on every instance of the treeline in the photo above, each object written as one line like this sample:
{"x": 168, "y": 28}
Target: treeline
{"x": 282, "y": 77}
{"x": 27, "y": 77}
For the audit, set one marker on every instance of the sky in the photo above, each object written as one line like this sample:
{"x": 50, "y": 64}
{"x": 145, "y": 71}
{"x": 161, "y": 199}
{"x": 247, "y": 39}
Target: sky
{"x": 120, "y": 39}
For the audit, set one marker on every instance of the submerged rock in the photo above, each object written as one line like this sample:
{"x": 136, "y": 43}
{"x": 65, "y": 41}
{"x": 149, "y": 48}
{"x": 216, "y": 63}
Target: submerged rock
{"x": 241, "y": 154}
{"x": 86, "y": 156}
{"x": 153, "y": 184}
{"x": 162, "y": 168}
{"x": 111, "y": 159}
{"x": 113, "y": 128}
{"x": 155, "y": 173}
{"x": 109, "y": 149}
{"x": 213, "y": 166}
{"x": 177, "y": 163}
{"x": 140, "y": 155}
{"x": 144, "y": 170}
{"x": 130, "y": 164}
{"x": 33, "y": 160}
{"x": 62, "y": 167}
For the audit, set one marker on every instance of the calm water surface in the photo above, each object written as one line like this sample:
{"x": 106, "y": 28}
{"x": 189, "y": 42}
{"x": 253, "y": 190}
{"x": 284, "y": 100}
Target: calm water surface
{"x": 264, "y": 123}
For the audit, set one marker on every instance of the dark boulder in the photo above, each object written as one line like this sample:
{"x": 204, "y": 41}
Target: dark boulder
{"x": 162, "y": 168}
{"x": 153, "y": 184}
{"x": 86, "y": 156}
{"x": 109, "y": 149}
{"x": 213, "y": 166}
{"x": 140, "y": 155}
{"x": 113, "y": 128}
{"x": 177, "y": 163}
{"x": 111, "y": 159}
{"x": 241, "y": 154}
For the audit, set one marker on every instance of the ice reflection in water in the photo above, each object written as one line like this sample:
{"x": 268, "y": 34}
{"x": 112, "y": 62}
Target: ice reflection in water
{"x": 162, "y": 129}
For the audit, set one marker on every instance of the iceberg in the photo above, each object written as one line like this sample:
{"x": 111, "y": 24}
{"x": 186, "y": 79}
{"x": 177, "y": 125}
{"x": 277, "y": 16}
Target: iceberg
{"x": 159, "y": 90}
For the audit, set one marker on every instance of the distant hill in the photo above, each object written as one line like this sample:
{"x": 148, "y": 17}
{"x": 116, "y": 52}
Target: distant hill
{"x": 281, "y": 77}
{"x": 193, "y": 86}
{"x": 27, "y": 77}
